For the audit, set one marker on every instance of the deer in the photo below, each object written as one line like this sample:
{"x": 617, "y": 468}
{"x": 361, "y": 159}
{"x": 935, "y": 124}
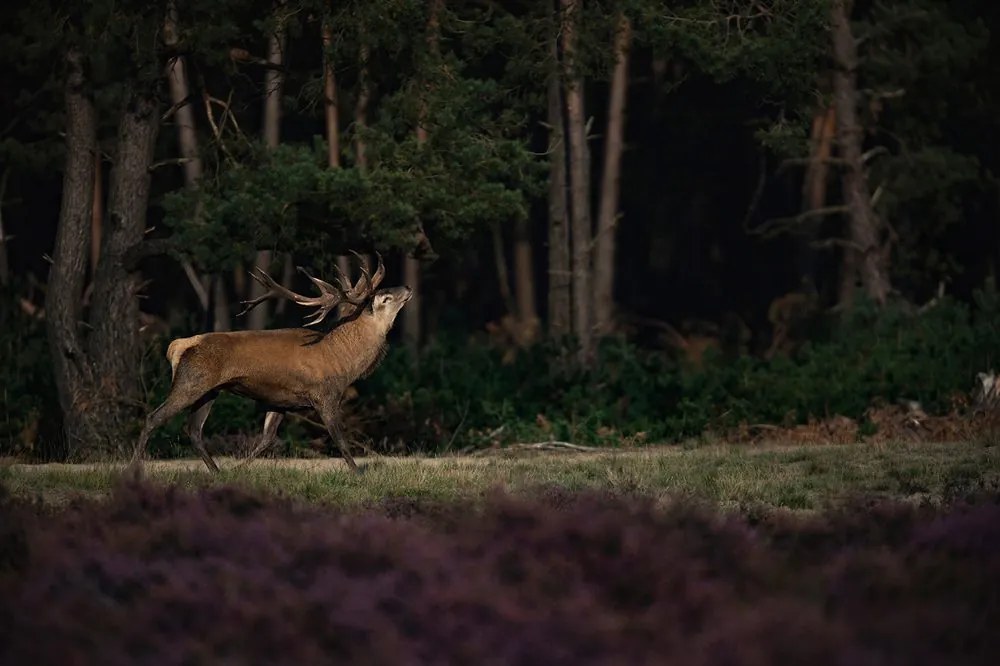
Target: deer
{"x": 283, "y": 370}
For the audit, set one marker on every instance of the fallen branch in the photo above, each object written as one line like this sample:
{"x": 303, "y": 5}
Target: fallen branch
{"x": 551, "y": 445}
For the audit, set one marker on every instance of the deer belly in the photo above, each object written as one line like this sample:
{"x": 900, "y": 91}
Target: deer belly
{"x": 270, "y": 393}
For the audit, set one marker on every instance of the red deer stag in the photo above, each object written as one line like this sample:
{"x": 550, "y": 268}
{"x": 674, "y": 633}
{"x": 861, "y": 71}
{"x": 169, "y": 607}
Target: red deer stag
{"x": 285, "y": 369}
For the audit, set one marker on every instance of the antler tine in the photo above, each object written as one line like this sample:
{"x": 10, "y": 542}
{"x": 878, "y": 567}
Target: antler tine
{"x": 379, "y": 272}
{"x": 372, "y": 282}
{"x": 342, "y": 280}
{"x": 264, "y": 279}
{"x": 322, "y": 285}
{"x": 324, "y": 303}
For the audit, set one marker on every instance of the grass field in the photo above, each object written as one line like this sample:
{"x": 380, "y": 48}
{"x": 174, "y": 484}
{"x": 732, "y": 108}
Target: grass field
{"x": 799, "y": 478}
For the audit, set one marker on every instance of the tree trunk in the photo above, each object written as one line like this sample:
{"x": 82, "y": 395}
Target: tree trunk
{"x": 412, "y": 320}
{"x": 361, "y": 107}
{"x": 330, "y": 100}
{"x": 604, "y": 249}
{"x": 210, "y": 290}
{"x": 560, "y": 280}
{"x": 332, "y": 121}
{"x": 4, "y": 264}
{"x": 274, "y": 80}
{"x": 63, "y": 300}
{"x": 114, "y": 314}
{"x": 815, "y": 180}
{"x": 524, "y": 285}
{"x": 866, "y": 256}
{"x": 814, "y": 190}
{"x": 579, "y": 185}
{"x": 96, "y": 215}
{"x": 412, "y": 324}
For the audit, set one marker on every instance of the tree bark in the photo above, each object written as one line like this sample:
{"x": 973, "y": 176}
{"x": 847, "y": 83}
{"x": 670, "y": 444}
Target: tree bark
{"x": 330, "y": 100}
{"x": 524, "y": 284}
{"x": 815, "y": 181}
{"x": 211, "y": 290}
{"x": 63, "y": 302}
{"x": 604, "y": 248}
{"x": 114, "y": 342}
{"x": 560, "y": 279}
{"x": 867, "y": 256}
{"x": 274, "y": 80}
{"x": 361, "y": 107}
{"x": 4, "y": 263}
{"x": 579, "y": 185}
{"x": 332, "y": 119}
{"x": 412, "y": 324}
{"x": 96, "y": 216}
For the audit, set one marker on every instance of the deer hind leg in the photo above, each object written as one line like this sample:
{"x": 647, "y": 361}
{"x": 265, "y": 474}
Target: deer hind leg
{"x": 175, "y": 403}
{"x": 188, "y": 388}
{"x": 196, "y": 421}
{"x": 330, "y": 414}
{"x": 271, "y": 422}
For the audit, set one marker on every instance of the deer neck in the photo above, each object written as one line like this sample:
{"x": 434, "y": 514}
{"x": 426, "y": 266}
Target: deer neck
{"x": 354, "y": 346}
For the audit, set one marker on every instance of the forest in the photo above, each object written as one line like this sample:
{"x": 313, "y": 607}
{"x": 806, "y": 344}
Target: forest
{"x": 624, "y": 221}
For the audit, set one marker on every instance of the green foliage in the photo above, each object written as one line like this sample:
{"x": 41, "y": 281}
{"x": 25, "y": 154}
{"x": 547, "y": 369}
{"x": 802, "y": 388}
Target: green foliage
{"x": 776, "y": 43}
{"x": 458, "y": 394}
{"x": 27, "y": 392}
{"x": 474, "y": 169}
{"x": 915, "y": 54}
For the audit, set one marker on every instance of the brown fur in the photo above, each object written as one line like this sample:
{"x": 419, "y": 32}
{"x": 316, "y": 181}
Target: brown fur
{"x": 284, "y": 369}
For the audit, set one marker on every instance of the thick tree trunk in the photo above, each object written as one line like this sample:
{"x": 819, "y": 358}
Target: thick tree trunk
{"x": 4, "y": 264}
{"x": 96, "y": 215}
{"x": 274, "y": 80}
{"x": 604, "y": 248}
{"x": 866, "y": 256}
{"x": 560, "y": 279}
{"x": 63, "y": 300}
{"x": 579, "y": 185}
{"x": 114, "y": 315}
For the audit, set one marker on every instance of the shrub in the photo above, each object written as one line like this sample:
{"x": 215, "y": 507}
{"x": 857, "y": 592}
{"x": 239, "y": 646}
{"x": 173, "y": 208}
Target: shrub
{"x": 27, "y": 392}
{"x": 458, "y": 392}
{"x": 158, "y": 576}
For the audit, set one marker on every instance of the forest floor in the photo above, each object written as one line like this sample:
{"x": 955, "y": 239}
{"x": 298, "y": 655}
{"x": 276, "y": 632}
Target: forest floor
{"x": 797, "y": 477}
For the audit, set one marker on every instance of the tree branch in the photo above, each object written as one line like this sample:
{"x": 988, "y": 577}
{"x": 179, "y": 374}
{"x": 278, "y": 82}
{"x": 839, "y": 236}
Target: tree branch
{"x": 779, "y": 225}
{"x": 147, "y": 248}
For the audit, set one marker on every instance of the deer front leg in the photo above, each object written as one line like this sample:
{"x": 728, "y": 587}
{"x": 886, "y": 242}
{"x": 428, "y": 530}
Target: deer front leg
{"x": 196, "y": 421}
{"x": 329, "y": 411}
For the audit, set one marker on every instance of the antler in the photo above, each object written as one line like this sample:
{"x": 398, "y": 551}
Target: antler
{"x": 330, "y": 295}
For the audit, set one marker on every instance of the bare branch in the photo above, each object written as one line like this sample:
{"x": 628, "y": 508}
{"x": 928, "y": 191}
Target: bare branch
{"x": 874, "y": 152}
{"x": 173, "y": 161}
{"x": 837, "y": 242}
{"x": 780, "y": 225}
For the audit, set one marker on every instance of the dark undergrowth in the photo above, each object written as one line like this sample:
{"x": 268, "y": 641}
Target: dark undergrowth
{"x": 162, "y": 576}
{"x": 460, "y": 394}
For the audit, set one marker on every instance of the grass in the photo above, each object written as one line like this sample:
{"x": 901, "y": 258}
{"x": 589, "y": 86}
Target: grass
{"x": 799, "y": 478}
